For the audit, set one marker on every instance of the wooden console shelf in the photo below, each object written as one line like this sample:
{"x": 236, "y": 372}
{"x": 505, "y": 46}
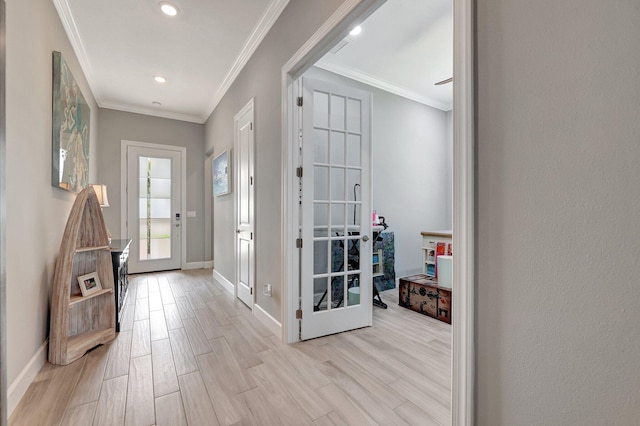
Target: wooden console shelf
{"x": 79, "y": 298}
{"x": 81, "y": 323}
{"x": 84, "y": 249}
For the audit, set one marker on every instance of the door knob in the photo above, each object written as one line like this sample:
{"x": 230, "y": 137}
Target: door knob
{"x": 237, "y": 231}
{"x": 365, "y": 238}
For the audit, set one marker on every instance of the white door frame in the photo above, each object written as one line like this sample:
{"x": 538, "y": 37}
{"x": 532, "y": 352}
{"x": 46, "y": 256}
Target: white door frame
{"x": 236, "y": 181}
{"x": 4, "y": 415}
{"x": 463, "y": 321}
{"x": 124, "y": 146}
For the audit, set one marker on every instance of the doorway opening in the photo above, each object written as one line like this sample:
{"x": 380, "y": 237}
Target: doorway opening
{"x": 325, "y": 39}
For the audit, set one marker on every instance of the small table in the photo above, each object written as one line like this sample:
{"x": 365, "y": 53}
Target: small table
{"x": 120, "y": 259}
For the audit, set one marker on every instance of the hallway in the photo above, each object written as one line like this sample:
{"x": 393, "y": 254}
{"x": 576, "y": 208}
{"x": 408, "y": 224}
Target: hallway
{"x": 188, "y": 353}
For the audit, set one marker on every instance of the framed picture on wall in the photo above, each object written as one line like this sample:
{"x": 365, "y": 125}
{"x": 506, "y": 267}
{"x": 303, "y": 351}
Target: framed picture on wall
{"x": 221, "y": 178}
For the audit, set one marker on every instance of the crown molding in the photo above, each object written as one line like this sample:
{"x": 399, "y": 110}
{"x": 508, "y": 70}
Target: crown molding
{"x": 268, "y": 18}
{"x": 382, "y": 85}
{"x": 70, "y": 27}
{"x": 192, "y": 118}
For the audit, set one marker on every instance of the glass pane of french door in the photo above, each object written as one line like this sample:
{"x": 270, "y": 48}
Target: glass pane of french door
{"x": 154, "y": 207}
{"x": 337, "y": 203}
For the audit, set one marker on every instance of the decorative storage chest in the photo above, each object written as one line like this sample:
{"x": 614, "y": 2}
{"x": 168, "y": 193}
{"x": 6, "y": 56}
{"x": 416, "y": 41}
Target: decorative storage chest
{"x": 422, "y": 294}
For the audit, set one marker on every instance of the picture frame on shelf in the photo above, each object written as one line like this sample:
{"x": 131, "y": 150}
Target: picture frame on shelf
{"x": 89, "y": 284}
{"x": 221, "y": 178}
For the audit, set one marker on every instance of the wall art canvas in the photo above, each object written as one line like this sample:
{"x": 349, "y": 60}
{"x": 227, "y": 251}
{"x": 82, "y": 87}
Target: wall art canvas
{"x": 221, "y": 174}
{"x": 70, "y": 133}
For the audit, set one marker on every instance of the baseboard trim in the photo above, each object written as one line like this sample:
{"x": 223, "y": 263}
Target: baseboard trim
{"x": 192, "y": 265}
{"x": 222, "y": 280}
{"x": 208, "y": 264}
{"x": 265, "y": 318}
{"x": 20, "y": 385}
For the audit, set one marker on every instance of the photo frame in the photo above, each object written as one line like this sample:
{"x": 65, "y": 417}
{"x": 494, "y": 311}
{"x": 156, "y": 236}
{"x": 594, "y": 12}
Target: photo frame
{"x": 221, "y": 175}
{"x": 70, "y": 130}
{"x": 89, "y": 284}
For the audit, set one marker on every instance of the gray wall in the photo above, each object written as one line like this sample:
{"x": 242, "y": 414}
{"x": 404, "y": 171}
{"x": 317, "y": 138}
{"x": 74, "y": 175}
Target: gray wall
{"x": 411, "y": 168}
{"x": 449, "y": 176}
{"x": 558, "y": 201}
{"x": 261, "y": 79}
{"x": 115, "y": 126}
{"x": 36, "y": 211}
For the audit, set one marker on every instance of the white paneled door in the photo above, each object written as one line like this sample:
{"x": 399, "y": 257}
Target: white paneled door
{"x": 245, "y": 268}
{"x": 336, "y": 209}
{"x": 153, "y": 209}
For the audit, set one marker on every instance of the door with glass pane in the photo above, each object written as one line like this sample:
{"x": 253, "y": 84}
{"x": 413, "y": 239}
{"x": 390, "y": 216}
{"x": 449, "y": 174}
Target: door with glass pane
{"x": 154, "y": 219}
{"x": 336, "y": 209}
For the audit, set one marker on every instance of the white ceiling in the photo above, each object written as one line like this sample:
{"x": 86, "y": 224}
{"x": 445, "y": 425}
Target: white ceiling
{"x": 405, "y": 47}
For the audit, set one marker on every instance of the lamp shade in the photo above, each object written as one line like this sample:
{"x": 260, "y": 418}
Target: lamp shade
{"x": 101, "y": 193}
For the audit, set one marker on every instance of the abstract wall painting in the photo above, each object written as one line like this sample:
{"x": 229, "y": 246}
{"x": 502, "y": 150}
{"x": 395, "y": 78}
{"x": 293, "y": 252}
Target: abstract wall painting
{"x": 221, "y": 174}
{"x": 70, "y": 132}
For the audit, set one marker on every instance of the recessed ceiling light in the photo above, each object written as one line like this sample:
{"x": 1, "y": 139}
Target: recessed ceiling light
{"x": 156, "y": 103}
{"x": 160, "y": 79}
{"x": 168, "y": 9}
{"x": 357, "y": 30}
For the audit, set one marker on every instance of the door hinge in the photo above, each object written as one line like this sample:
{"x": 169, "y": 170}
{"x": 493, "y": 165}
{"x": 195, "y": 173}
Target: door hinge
{"x": 252, "y": 236}
{"x": 299, "y": 243}
{"x": 299, "y": 314}
{"x": 251, "y": 180}
{"x": 251, "y": 290}
{"x": 299, "y": 172}
{"x": 299, "y": 101}
{"x": 251, "y": 126}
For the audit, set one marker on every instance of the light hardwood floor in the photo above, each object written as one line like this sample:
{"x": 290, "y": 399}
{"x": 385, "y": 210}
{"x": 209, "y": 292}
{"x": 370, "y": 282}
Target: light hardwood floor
{"x": 189, "y": 354}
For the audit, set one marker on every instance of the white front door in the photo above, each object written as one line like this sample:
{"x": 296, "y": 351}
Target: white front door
{"x": 154, "y": 217}
{"x": 245, "y": 274}
{"x": 336, "y": 287}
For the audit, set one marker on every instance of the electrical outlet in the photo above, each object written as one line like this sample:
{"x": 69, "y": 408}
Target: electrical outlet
{"x": 267, "y": 290}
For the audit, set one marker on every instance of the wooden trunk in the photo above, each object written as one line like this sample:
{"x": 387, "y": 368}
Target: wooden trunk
{"x": 422, "y": 294}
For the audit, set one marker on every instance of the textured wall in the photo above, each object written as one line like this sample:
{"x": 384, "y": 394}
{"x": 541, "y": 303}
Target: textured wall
{"x": 261, "y": 79}
{"x": 36, "y": 211}
{"x": 558, "y": 297}
{"x": 116, "y": 126}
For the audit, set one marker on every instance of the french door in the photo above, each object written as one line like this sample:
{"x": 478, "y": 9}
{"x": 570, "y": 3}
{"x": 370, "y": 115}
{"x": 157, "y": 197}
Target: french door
{"x": 336, "y": 251}
{"x": 154, "y": 217}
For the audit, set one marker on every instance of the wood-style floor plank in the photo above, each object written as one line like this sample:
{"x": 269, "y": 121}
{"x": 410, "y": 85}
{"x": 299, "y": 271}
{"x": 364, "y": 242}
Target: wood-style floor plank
{"x": 141, "y": 340}
{"x": 140, "y": 401}
{"x": 79, "y": 415}
{"x": 199, "y": 342}
{"x": 88, "y": 387}
{"x": 170, "y": 411}
{"x": 142, "y": 309}
{"x": 158, "y": 325}
{"x": 195, "y": 399}
{"x": 111, "y": 405}
{"x": 172, "y": 316}
{"x": 196, "y": 355}
{"x": 183, "y": 356}
{"x": 165, "y": 380}
{"x": 155, "y": 301}
{"x": 118, "y": 364}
